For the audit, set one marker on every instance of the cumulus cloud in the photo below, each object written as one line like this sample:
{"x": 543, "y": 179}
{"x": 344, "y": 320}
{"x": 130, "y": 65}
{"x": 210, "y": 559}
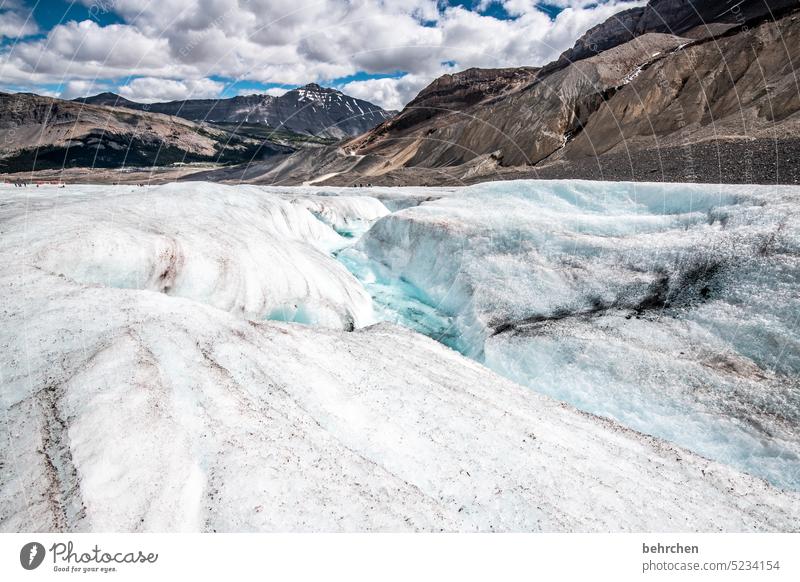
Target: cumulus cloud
{"x": 86, "y": 50}
{"x": 151, "y": 89}
{"x": 293, "y": 42}
{"x": 388, "y": 93}
{"x": 15, "y": 21}
{"x": 82, "y": 88}
{"x": 276, "y": 91}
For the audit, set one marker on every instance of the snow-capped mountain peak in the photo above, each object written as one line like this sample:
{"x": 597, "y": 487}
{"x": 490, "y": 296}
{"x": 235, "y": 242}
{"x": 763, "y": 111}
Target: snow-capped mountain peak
{"x": 310, "y": 109}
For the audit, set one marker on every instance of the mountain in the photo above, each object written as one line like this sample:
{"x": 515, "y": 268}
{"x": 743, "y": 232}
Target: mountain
{"x": 43, "y": 132}
{"x": 309, "y": 110}
{"x": 691, "y": 18}
{"x": 675, "y": 90}
{"x": 109, "y": 99}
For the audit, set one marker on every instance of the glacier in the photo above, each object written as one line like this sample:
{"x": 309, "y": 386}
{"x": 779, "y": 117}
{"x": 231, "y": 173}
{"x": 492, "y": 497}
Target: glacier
{"x": 275, "y": 263}
{"x": 672, "y": 309}
{"x": 202, "y": 357}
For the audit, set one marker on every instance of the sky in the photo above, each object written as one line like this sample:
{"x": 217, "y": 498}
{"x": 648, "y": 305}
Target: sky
{"x": 383, "y": 51}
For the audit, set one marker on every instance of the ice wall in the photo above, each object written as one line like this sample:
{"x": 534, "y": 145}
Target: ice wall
{"x": 349, "y": 216}
{"x": 128, "y": 410}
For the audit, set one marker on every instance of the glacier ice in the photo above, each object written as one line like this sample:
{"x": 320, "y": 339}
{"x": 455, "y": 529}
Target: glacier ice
{"x": 670, "y": 308}
{"x": 398, "y": 301}
{"x": 144, "y": 390}
{"x": 233, "y": 248}
{"x": 349, "y": 216}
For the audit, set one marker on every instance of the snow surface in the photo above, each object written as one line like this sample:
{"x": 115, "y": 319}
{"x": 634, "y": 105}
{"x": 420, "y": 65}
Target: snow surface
{"x": 670, "y": 308}
{"x": 143, "y": 390}
{"x": 233, "y": 248}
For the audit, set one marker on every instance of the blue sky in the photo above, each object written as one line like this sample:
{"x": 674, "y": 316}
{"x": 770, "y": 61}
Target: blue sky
{"x": 49, "y": 13}
{"x": 384, "y": 51}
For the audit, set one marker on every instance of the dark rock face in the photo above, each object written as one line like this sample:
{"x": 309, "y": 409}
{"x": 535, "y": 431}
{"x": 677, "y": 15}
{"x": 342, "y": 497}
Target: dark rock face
{"x": 676, "y": 17}
{"x": 110, "y": 100}
{"x": 523, "y": 115}
{"x": 464, "y": 89}
{"x": 310, "y": 110}
{"x": 736, "y": 88}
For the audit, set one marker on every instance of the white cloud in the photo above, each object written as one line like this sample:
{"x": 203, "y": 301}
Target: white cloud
{"x": 150, "y": 89}
{"x": 294, "y": 42}
{"x": 388, "y": 93}
{"x": 272, "y": 91}
{"x": 15, "y": 20}
{"x": 81, "y": 88}
{"x": 276, "y": 91}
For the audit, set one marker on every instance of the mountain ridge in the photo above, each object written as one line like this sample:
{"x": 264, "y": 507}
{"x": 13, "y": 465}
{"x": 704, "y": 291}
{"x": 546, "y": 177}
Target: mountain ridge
{"x": 309, "y": 110}
{"x": 662, "y": 92}
{"x": 40, "y": 133}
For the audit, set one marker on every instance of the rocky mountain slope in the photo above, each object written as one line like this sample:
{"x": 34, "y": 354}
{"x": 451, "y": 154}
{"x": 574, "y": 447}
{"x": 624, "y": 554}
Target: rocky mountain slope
{"x": 675, "y": 90}
{"x": 41, "y": 133}
{"x": 691, "y": 18}
{"x": 310, "y": 110}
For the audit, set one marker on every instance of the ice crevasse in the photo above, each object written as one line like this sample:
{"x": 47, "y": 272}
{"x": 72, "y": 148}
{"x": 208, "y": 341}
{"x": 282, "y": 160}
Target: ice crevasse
{"x": 672, "y": 308}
